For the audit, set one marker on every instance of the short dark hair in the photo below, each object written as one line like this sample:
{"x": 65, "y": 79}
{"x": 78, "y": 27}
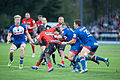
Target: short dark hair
{"x": 77, "y": 21}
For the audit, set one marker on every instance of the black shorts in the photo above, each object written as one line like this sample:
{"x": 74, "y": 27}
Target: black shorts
{"x": 50, "y": 48}
{"x": 60, "y": 47}
{"x": 43, "y": 43}
{"x": 31, "y": 34}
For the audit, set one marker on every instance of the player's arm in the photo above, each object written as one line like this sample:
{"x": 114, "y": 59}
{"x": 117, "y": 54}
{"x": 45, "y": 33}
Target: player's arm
{"x": 73, "y": 39}
{"x": 39, "y": 37}
{"x": 34, "y": 26}
{"x": 8, "y": 37}
{"x": 28, "y": 36}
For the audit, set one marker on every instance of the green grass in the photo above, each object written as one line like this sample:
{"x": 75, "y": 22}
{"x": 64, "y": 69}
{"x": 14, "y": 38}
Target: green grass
{"x": 96, "y": 72}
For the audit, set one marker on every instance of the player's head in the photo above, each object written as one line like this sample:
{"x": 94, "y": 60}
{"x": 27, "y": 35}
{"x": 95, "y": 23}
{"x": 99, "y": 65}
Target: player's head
{"x": 44, "y": 20}
{"x": 60, "y": 20}
{"x": 17, "y": 19}
{"x": 27, "y": 15}
{"x": 40, "y": 17}
{"x": 77, "y": 23}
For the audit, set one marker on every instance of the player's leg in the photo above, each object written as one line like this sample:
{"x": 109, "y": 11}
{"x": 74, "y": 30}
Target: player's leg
{"x": 75, "y": 65}
{"x": 39, "y": 61}
{"x": 82, "y": 60}
{"x": 53, "y": 57}
{"x": 12, "y": 49}
{"x": 22, "y": 49}
{"x": 48, "y": 51}
{"x": 96, "y": 58}
{"x": 61, "y": 52}
{"x": 43, "y": 48}
{"x": 33, "y": 46}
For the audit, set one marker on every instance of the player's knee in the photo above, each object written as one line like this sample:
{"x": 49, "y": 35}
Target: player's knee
{"x": 90, "y": 56}
{"x": 22, "y": 49}
{"x": 12, "y": 50}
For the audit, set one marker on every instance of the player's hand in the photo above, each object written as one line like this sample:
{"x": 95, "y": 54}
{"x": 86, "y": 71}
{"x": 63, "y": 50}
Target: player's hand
{"x": 64, "y": 43}
{"x": 8, "y": 41}
{"x": 30, "y": 28}
{"x": 59, "y": 37}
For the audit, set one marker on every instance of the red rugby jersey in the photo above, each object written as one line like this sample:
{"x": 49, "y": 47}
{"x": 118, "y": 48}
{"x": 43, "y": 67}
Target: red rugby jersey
{"x": 29, "y": 23}
{"x": 48, "y": 36}
{"x": 38, "y": 23}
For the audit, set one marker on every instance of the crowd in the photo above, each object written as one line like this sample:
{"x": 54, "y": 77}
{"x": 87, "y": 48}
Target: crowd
{"x": 3, "y": 35}
{"x": 106, "y": 24}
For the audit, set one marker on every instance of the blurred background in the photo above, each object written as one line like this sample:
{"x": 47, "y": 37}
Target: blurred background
{"x": 101, "y": 17}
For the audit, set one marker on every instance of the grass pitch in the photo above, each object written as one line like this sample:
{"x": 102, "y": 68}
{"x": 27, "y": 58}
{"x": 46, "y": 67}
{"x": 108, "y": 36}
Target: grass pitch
{"x": 95, "y": 71}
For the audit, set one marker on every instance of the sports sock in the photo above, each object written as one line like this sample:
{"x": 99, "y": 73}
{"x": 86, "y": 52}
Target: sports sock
{"x": 62, "y": 62}
{"x": 74, "y": 66}
{"x": 38, "y": 63}
{"x": 33, "y": 48}
{"x": 86, "y": 58}
{"x": 53, "y": 57}
{"x": 21, "y": 60}
{"x": 98, "y": 58}
{"x": 11, "y": 57}
{"x": 49, "y": 64}
{"x": 82, "y": 61}
{"x": 44, "y": 59}
{"x": 77, "y": 65}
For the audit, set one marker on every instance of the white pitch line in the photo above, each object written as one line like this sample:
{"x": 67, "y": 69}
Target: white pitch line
{"x": 96, "y": 69}
{"x": 61, "y": 68}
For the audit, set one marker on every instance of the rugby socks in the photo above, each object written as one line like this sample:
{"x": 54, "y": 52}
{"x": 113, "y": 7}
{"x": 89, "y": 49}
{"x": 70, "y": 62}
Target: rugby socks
{"x": 86, "y": 58}
{"x": 98, "y": 58}
{"x": 78, "y": 66}
{"x": 62, "y": 62}
{"x": 38, "y": 63}
{"x": 21, "y": 60}
{"x": 82, "y": 61}
{"x": 44, "y": 59}
{"x": 33, "y": 48}
{"x": 53, "y": 57}
{"x": 11, "y": 57}
{"x": 49, "y": 64}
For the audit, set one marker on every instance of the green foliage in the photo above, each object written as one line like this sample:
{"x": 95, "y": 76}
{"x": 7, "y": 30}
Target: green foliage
{"x": 52, "y": 9}
{"x": 4, "y": 20}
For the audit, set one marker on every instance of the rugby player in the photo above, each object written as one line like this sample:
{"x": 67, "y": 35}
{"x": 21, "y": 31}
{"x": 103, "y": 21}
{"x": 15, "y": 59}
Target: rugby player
{"x": 90, "y": 45}
{"x": 51, "y": 42}
{"x": 30, "y": 24}
{"x": 18, "y": 31}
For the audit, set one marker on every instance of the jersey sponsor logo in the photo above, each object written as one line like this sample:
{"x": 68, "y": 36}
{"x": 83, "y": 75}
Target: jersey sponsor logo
{"x": 18, "y": 30}
{"x": 49, "y": 33}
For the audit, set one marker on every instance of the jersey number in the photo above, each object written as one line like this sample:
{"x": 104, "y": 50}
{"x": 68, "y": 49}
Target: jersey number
{"x": 87, "y": 32}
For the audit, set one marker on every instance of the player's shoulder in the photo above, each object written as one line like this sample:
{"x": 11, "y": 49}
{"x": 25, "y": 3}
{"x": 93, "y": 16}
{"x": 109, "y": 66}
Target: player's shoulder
{"x": 12, "y": 26}
{"x": 22, "y": 25}
{"x": 31, "y": 19}
{"x": 24, "y": 19}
